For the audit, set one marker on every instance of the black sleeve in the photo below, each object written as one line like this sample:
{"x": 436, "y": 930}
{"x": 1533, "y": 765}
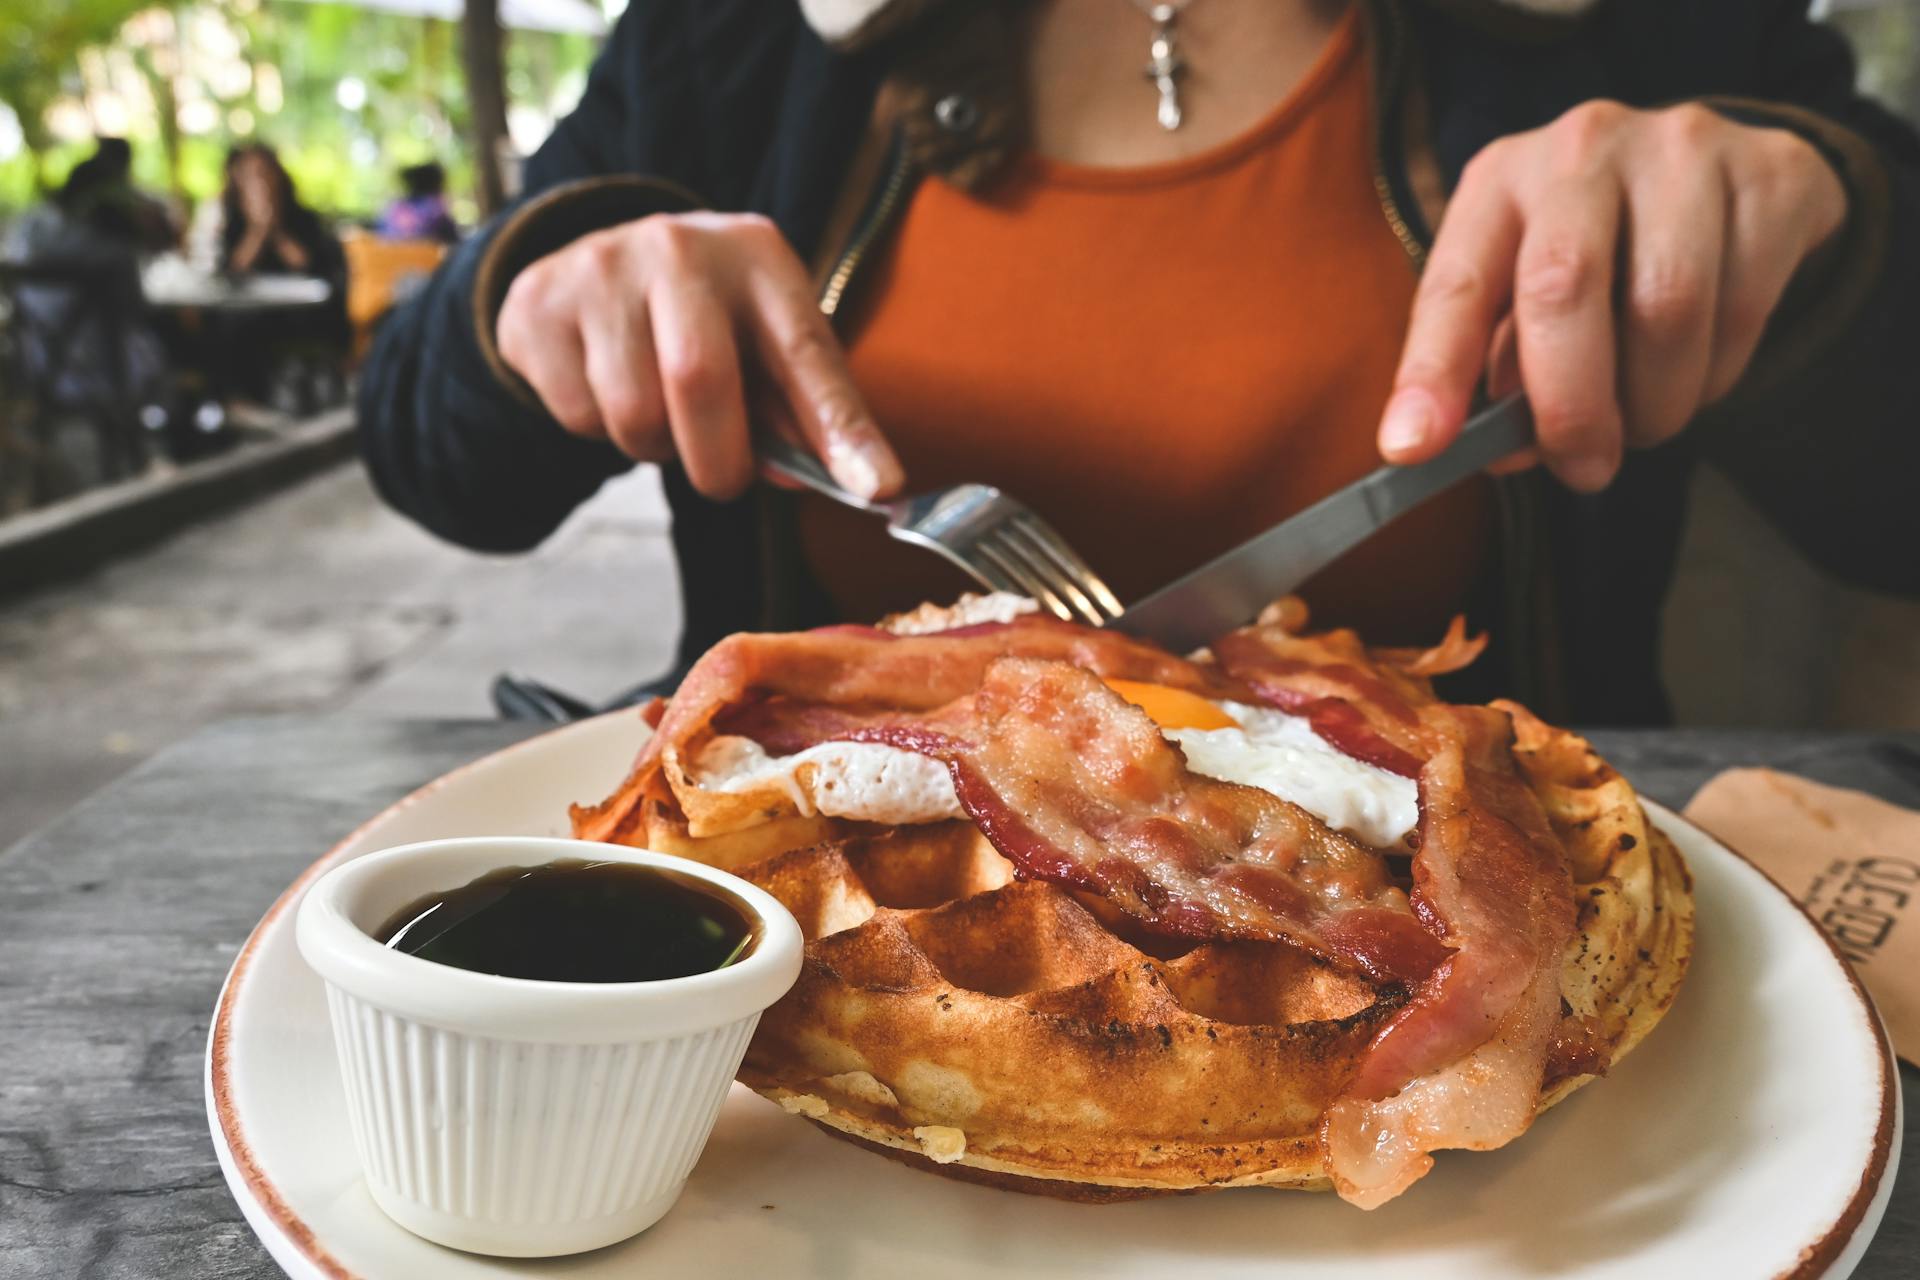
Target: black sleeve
{"x": 1824, "y": 432}
{"x": 449, "y": 436}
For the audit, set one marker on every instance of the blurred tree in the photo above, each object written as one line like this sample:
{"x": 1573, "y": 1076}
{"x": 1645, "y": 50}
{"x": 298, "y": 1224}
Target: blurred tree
{"x": 158, "y": 62}
{"x": 348, "y": 95}
{"x": 483, "y": 43}
{"x": 40, "y": 45}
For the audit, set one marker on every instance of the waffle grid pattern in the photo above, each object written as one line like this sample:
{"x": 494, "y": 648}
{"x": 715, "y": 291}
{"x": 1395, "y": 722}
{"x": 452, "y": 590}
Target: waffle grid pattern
{"x": 940, "y": 994}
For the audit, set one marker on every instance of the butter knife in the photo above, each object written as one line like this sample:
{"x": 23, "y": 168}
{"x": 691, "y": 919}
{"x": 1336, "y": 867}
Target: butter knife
{"x": 1229, "y": 591}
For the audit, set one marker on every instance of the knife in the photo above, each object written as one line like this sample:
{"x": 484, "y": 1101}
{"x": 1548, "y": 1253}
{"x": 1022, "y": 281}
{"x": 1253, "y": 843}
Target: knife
{"x": 1227, "y": 593}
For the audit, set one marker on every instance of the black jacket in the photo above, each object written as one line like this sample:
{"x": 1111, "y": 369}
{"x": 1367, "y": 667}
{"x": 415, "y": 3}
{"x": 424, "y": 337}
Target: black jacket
{"x": 742, "y": 102}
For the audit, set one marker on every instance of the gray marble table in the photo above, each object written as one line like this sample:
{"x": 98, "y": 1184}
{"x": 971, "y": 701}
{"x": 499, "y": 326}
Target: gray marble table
{"x": 118, "y": 922}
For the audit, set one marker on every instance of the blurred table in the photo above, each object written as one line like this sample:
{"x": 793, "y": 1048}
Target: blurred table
{"x": 175, "y": 284}
{"x": 118, "y": 922}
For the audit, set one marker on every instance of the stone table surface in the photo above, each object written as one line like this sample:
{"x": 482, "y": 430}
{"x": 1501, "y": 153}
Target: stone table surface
{"x": 118, "y": 922}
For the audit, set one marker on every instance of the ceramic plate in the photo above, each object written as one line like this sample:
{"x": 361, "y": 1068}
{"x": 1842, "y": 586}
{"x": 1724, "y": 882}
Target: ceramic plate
{"x": 1754, "y": 1133}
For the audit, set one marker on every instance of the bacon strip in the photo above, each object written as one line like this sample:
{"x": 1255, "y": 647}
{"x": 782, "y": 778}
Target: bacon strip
{"x": 1077, "y": 786}
{"x": 1455, "y": 651}
{"x": 861, "y": 668}
{"x": 1461, "y": 1065}
{"x": 1354, "y": 704}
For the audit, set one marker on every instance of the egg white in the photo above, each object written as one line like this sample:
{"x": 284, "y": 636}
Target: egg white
{"x": 1283, "y": 756}
{"x": 1278, "y": 753}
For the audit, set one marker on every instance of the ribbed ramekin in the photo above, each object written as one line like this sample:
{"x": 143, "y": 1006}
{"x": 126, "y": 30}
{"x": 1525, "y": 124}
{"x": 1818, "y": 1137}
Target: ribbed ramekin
{"x": 523, "y": 1118}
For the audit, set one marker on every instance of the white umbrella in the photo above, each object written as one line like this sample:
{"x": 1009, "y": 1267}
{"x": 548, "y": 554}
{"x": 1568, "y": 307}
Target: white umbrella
{"x": 578, "y": 17}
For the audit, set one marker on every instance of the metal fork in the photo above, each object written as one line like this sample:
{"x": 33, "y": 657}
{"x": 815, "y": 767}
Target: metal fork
{"x": 996, "y": 540}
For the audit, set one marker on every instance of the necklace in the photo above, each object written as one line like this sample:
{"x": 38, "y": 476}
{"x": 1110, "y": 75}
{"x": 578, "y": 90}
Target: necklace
{"x": 1165, "y": 66}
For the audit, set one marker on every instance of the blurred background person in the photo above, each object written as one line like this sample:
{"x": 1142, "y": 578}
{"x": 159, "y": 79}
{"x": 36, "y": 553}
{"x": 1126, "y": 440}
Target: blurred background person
{"x": 282, "y": 355}
{"x": 264, "y": 227}
{"x": 422, "y": 213}
{"x": 87, "y": 345}
{"x": 96, "y": 210}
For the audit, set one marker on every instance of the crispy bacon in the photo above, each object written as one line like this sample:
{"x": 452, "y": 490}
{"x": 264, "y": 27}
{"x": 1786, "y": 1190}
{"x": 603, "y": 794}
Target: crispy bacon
{"x": 1077, "y": 786}
{"x": 1455, "y": 651}
{"x": 862, "y": 668}
{"x": 1366, "y": 710}
{"x": 1344, "y": 726}
{"x": 1581, "y": 1047}
{"x": 1461, "y": 1064}
{"x": 788, "y": 726}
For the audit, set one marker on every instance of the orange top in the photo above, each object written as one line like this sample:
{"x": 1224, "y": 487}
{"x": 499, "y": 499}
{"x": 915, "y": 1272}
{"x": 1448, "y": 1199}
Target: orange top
{"x": 1163, "y": 361}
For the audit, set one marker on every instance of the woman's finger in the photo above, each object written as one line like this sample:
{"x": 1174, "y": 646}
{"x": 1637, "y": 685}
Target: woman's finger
{"x": 1563, "y": 318}
{"x": 556, "y": 370}
{"x": 770, "y": 413}
{"x": 701, "y": 384}
{"x": 541, "y": 342}
{"x": 1770, "y": 232}
{"x": 623, "y": 371}
{"x": 800, "y": 353}
{"x": 1503, "y": 379}
{"x": 1676, "y": 214}
{"x": 1463, "y": 293}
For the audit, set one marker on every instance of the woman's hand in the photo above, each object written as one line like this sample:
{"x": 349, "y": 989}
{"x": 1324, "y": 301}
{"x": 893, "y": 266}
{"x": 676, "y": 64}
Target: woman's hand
{"x": 1629, "y": 259}
{"x": 658, "y": 333}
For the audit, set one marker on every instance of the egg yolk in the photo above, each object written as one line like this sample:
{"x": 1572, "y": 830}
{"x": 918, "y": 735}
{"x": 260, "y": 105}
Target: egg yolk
{"x": 1172, "y": 708}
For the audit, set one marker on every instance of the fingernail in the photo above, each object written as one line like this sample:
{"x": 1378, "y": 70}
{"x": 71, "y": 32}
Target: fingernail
{"x": 1587, "y": 474}
{"x": 1408, "y": 422}
{"x": 858, "y": 468}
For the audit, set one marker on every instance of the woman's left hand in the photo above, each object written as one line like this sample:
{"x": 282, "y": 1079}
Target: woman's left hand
{"x": 1630, "y": 259}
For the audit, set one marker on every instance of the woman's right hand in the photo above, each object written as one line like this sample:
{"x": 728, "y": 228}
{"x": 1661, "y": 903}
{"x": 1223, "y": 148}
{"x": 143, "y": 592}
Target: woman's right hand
{"x": 656, "y": 335}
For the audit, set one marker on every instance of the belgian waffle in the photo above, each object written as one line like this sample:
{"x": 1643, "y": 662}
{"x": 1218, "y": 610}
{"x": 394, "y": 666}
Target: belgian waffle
{"x": 1011, "y": 1032}
{"x": 1026, "y": 1033}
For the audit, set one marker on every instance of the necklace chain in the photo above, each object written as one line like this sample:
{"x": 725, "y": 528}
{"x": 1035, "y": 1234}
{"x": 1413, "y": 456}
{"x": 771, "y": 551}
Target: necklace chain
{"x": 1165, "y": 66}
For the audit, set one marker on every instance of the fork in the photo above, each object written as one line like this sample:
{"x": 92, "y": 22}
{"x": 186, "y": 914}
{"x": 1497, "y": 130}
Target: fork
{"x": 996, "y": 540}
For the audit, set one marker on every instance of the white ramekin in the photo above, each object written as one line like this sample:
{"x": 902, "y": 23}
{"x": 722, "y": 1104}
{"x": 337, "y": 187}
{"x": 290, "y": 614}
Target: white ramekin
{"x": 522, "y": 1118}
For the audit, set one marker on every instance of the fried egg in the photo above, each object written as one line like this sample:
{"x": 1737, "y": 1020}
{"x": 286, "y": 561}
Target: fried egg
{"x": 1254, "y": 746}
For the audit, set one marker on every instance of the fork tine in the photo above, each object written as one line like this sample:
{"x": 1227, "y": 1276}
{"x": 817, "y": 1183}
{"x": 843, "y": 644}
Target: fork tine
{"x": 1008, "y": 559}
{"x": 1060, "y": 577}
{"x": 1107, "y": 605}
{"x": 981, "y": 570}
{"x": 1037, "y": 566}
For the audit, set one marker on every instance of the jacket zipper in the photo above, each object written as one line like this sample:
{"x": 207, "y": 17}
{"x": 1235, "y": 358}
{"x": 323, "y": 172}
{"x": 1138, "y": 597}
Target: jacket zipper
{"x": 1392, "y": 34}
{"x": 879, "y": 216}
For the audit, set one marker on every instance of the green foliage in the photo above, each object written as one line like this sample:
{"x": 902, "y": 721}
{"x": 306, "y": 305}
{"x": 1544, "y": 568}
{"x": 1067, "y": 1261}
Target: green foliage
{"x": 343, "y": 148}
{"x": 40, "y": 44}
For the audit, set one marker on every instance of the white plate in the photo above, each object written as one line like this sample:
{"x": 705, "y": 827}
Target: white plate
{"x": 1753, "y": 1134}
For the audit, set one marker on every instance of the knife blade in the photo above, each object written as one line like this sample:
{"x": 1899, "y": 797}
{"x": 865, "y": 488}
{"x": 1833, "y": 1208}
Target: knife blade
{"x": 1227, "y": 592}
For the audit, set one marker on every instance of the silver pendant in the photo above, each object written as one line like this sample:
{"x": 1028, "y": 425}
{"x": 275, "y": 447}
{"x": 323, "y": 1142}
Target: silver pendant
{"x": 1166, "y": 66}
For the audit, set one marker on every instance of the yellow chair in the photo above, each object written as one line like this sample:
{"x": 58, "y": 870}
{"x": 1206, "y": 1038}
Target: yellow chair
{"x": 378, "y": 274}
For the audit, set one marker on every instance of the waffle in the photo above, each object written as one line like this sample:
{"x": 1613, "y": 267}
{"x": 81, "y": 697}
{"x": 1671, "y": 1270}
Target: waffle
{"x": 1030, "y": 1035}
{"x": 1016, "y": 1033}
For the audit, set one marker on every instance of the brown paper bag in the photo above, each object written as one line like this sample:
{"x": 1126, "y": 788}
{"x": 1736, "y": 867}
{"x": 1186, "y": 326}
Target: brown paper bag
{"x": 1853, "y": 861}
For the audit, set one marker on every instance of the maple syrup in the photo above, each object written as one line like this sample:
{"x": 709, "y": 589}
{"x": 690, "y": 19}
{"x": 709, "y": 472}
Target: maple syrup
{"x": 572, "y": 920}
